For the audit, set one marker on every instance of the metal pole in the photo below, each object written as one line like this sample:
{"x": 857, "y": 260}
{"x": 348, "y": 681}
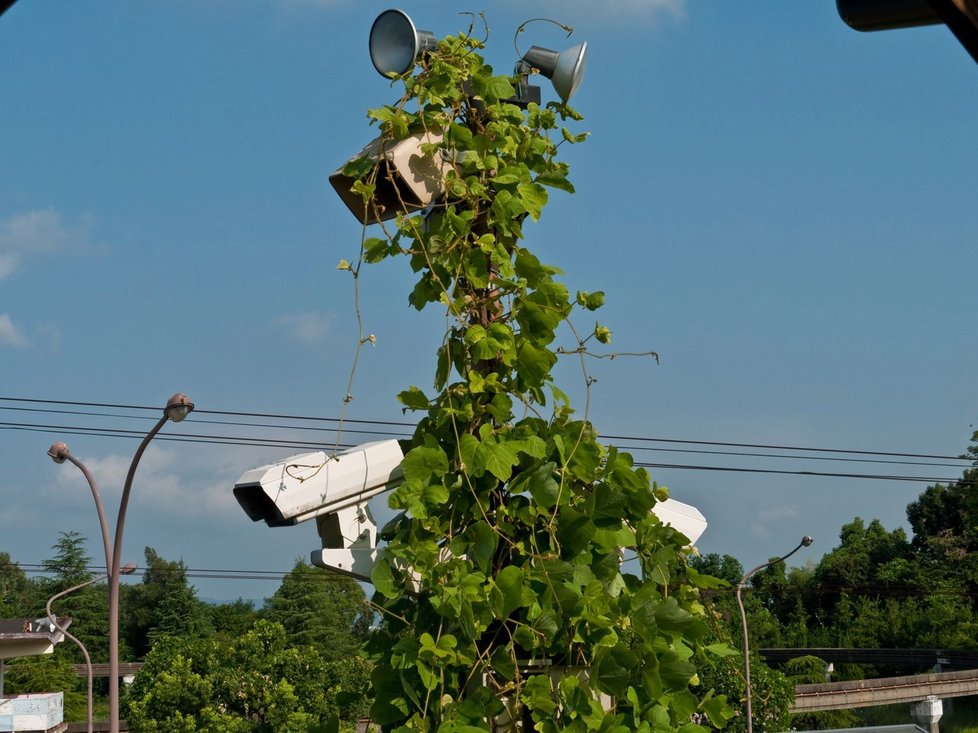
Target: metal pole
{"x": 127, "y": 569}
{"x": 114, "y": 580}
{"x": 805, "y": 542}
{"x": 64, "y": 630}
{"x": 176, "y": 409}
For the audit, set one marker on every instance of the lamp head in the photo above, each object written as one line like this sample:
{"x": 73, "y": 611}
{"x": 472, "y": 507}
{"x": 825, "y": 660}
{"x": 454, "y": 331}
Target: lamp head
{"x": 395, "y": 43}
{"x": 807, "y": 540}
{"x": 128, "y": 569}
{"x": 58, "y": 451}
{"x": 565, "y": 69}
{"x": 178, "y": 407}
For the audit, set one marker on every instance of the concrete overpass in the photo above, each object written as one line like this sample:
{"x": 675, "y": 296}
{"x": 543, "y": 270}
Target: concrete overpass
{"x": 885, "y": 691}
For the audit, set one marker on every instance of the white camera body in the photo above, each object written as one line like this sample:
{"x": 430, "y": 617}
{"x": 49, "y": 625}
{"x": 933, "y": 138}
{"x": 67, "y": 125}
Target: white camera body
{"x": 334, "y": 490}
{"x": 684, "y": 517}
{"x": 308, "y": 485}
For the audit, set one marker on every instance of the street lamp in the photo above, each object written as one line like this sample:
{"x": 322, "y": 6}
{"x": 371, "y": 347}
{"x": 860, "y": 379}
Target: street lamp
{"x": 177, "y": 408}
{"x": 126, "y": 569}
{"x": 805, "y": 542}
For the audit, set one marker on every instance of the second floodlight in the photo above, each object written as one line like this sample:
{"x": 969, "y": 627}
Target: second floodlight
{"x": 565, "y": 69}
{"x": 395, "y": 43}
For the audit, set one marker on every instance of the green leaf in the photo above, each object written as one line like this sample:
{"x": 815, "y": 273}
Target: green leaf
{"x": 477, "y": 268}
{"x": 500, "y": 459}
{"x": 424, "y": 460}
{"x": 473, "y": 454}
{"x": 602, "y": 334}
{"x": 675, "y": 672}
{"x": 556, "y": 179}
{"x": 483, "y": 541}
{"x": 358, "y": 167}
{"x": 413, "y": 399}
{"x": 382, "y": 578}
{"x": 613, "y": 668}
{"x": 722, "y": 650}
{"x": 536, "y": 696}
{"x": 390, "y": 705}
{"x": 503, "y": 664}
{"x": 702, "y": 580}
{"x": 509, "y": 582}
{"x": 566, "y": 134}
{"x": 591, "y": 301}
{"x": 375, "y": 250}
{"x": 534, "y": 363}
{"x": 534, "y": 198}
{"x": 718, "y": 711}
{"x": 671, "y": 618}
{"x": 540, "y": 483}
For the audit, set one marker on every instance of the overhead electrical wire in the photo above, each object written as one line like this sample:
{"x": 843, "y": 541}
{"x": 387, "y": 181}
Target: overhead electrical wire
{"x": 398, "y": 429}
{"x": 306, "y": 425}
{"x": 877, "y": 589}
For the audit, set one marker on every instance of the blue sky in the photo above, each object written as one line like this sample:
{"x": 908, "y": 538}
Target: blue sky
{"x": 782, "y": 208}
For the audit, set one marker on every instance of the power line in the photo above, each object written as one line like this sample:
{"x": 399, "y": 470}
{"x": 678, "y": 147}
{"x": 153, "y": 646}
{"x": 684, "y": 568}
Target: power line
{"x": 402, "y": 424}
{"x": 396, "y": 429}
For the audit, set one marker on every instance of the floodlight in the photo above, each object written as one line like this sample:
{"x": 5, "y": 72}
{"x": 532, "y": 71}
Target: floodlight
{"x": 395, "y": 43}
{"x": 565, "y": 69}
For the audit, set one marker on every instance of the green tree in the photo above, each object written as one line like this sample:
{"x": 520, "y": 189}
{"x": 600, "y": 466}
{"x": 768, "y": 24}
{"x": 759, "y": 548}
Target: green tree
{"x": 501, "y": 592}
{"x": 868, "y": 561}
{"x": 17, "y": 593}
{"x": 725, "y": 567}
{"x": 163, "y": 604}
{"x": 320, "y": 609}
{"x": 810, "y": 670}
{"x": 232, "y": 619}
{"x": 87, "y": 607}
{"x": 773, "y": 693}
{"x": 47, "y": 673}
{"x": 257, "y": 683}
{"x": 944, "y": 520}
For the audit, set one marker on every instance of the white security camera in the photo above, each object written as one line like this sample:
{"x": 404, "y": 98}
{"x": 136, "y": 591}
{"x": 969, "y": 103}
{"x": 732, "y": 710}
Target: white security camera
{"x": 308, "y": 485}
{"x": 683, "y": 517}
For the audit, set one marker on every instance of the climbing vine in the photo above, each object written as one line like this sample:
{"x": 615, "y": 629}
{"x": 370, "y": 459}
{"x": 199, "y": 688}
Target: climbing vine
{"x": 502, "y": 594}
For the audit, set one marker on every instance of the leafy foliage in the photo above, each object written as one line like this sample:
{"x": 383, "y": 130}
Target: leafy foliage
{"x": 88, "y": 606}
{"x": 501, "y": 593}
{"x": 320, "y": 609}
{"x": 45, "y": 673}
{"x": 773, "y": 693}
{"x": 255, "y": 684}
{"x": 163, "y": 604}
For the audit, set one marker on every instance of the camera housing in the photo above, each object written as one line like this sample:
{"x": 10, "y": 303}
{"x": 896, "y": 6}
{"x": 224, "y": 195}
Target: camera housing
{"x": 307, "y": 485}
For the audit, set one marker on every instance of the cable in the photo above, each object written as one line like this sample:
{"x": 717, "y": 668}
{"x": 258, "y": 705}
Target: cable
{"x": 307, "y": 418}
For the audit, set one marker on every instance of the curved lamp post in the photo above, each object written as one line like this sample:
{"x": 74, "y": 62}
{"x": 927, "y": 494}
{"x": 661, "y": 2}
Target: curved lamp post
{"x": 177, "y": 408}
{"x": 126, "y": 569}
{"x": 805, "y": 542}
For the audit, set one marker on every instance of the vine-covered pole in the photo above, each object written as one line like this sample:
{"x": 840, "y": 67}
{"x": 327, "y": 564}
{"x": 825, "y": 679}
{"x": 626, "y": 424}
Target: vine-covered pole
{"x": 503, "y": 599}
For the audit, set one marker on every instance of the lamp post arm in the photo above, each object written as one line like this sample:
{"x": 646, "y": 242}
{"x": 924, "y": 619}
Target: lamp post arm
{"x": 114, "y": 579}
{"x": 54, "y": 620}
{"x": 126, "y": 490}
{"x": 805, "y": 542}
{"x": 103, "y": 522}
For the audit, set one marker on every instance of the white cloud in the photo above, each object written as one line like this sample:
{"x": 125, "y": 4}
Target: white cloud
{"x": 308, "y": 327}
{"x": 10, "y": 335}
{"x": 34, "y": 233}
{"x": 170, "y": 484}
{"x": 616, "y": 9}
{"x": 775, "y": 515}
